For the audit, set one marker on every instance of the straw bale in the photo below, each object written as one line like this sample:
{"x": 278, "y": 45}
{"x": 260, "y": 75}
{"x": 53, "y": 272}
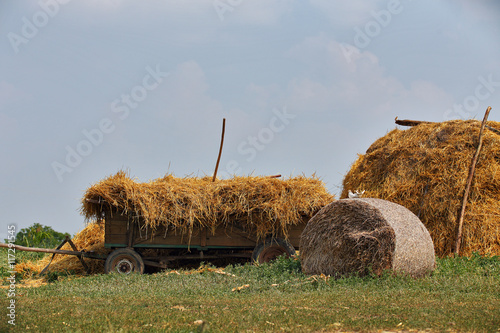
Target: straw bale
{"x": 90, "y": 239}
{"x": 425, "y": 169}
{"x": 265, "y": 206}
{"x": 359, "y": 236}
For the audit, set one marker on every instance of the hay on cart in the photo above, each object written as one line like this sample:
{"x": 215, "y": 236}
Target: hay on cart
{"x": 263, "y": 205}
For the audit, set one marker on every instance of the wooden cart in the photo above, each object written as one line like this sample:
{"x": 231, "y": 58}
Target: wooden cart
{"x": 130, "y": 241}
{"x": 131, "y": 238}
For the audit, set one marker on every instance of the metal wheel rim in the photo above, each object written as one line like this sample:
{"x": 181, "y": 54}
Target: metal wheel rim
{"x": 124, "y": 266}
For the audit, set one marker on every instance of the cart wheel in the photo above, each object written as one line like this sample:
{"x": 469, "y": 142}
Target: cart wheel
{"x": 271, "y": 249}
{"x": 124, "y": 261}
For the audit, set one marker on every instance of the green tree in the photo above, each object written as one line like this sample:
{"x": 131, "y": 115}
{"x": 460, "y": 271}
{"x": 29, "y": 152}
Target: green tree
{"x": 39, "y": 235}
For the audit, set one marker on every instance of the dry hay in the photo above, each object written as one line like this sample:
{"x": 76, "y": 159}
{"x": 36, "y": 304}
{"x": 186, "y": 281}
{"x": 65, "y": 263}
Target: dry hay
{"x": 359, "y": 236}
{"x": 28, "y": 283}
{"x": 425, "y": 169}
{"x": 90, "y": 239}
{"x": 263, "y": 205}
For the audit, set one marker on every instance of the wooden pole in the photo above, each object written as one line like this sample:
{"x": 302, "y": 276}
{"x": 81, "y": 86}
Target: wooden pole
{"x": 37, "y": 249}
{"x": 469, "y": 182}
{"x": 57, "y": 251}
{"x": 220, "y": 149}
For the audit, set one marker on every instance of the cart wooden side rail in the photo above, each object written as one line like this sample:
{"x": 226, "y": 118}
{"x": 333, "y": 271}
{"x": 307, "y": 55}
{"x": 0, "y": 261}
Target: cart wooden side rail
{"x": 129, "y": 238}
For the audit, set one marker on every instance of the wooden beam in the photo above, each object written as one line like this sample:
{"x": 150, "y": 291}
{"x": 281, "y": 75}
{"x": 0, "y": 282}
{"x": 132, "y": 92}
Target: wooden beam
{"x": 37, "y": 249}
{"x": 492, "y": 129}
{"x": 407, "y": 122}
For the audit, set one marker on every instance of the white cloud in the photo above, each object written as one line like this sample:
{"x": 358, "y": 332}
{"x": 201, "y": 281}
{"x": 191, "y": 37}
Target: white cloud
{"x": 320, "y": 54}
{"x": 333, "y": 85}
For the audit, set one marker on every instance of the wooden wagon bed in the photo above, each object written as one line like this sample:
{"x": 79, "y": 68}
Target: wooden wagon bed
{"x": 126, "y": 235}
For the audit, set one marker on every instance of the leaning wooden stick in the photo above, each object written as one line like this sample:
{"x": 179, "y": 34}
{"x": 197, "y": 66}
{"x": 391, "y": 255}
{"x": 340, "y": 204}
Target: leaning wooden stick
{"x": 220, "y": 149}
{"x": 460, "y": 223}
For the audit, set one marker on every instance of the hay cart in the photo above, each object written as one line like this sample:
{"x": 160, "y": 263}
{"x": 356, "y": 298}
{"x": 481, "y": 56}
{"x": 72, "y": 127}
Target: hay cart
{"x": 174, "y": 219}
{"x": 131, "y": 242}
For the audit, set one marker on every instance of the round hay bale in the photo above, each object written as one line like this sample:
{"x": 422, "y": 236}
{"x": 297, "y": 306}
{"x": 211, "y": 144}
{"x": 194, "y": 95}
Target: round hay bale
{"x": 359, "y": 236}
{"x": 425, "y": 169}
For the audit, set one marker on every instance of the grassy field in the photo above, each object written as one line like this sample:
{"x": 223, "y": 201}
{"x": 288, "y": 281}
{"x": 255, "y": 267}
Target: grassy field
{"x": 462, "y": 295}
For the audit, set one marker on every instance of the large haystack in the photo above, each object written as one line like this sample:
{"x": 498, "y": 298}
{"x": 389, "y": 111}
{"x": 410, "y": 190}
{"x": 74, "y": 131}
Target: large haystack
{"x": 425, "y": 169}
{"x": 264, "y": 205}
{"x": 362, "y": 235}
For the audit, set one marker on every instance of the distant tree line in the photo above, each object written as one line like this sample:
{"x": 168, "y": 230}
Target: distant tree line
{"x": 39, "y": 235}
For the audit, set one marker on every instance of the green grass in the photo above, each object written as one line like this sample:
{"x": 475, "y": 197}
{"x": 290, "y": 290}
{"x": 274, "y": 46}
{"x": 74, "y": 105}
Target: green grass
{"x": 462, "y": 295}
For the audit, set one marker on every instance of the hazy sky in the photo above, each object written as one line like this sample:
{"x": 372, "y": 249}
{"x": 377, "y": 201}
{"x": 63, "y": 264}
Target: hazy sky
{"x": 91, "y": 87}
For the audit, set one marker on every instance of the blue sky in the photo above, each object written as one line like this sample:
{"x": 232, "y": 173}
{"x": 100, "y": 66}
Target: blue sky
{"x": 91, "y": 87}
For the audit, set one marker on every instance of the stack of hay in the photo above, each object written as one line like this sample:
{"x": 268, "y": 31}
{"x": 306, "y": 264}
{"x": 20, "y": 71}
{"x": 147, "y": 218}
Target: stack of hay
{"x": 425, "y": 169}
{"x": 91, "y": 239}
{"x": 264, "y": 205}
{"x": 363, "y": 236}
